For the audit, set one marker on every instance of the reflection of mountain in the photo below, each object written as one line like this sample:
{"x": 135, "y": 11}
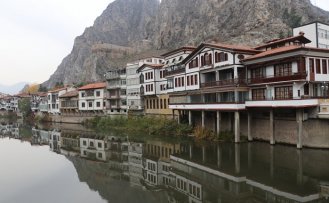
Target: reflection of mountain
{"x": 112, "y": 184}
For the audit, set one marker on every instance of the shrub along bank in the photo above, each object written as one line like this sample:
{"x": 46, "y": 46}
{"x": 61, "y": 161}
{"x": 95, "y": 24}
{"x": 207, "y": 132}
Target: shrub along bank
{"x": 139, "y": 126}
{"x": 151, "y": 126}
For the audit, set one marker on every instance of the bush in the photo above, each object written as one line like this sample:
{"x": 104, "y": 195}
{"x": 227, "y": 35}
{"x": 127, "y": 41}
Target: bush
{"x": 139, "y": 126}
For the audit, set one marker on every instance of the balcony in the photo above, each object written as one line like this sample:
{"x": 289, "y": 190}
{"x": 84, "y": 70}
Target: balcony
{"x": 116, "y": 96}
{"x": 224, "y": 83}
{"x": 278, "y": 78}
{"x": 283, "y": 103}
{"x": 176, "y": 69}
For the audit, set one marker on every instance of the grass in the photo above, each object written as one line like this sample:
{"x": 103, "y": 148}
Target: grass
{"x": 139, "y": 126}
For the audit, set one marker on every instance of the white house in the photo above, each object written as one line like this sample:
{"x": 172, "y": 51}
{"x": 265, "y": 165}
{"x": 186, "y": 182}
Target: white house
{"x": 92, "y": 97}
{"x": 53, "y": 99}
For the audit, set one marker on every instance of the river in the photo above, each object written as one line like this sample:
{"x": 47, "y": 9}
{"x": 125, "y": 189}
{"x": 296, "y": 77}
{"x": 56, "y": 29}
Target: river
{"x": 68, "y": 163}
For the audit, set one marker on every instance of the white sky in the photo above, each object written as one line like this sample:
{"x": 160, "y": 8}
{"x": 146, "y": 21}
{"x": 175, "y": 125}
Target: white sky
{"x": 37, "y": 34}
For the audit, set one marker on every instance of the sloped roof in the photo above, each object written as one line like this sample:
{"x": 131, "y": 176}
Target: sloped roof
{"x": 271, "y": 52}
{"x": 57, "y": 89}
{"x": 233, "y": 48}
{"x": 70, "y": 94}
{"x": 300, "y": 38}
{"x": 99, "y": 85}
{"x": 184, "y": 48}
{"x": 153, "y": 66}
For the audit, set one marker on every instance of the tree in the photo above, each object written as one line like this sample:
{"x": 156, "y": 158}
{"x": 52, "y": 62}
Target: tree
{"x": 42, "y": 89}
{"x": 24, "y": 106}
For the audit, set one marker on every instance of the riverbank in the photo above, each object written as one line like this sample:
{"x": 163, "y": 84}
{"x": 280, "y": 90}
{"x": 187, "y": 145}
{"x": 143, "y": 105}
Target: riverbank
{"x": 155, "y": 127}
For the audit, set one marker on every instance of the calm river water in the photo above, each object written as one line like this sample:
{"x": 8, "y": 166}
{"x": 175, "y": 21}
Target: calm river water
{"x": 67, "y": 163}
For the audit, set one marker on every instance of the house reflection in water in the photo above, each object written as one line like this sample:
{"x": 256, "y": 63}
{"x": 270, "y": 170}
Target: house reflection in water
{"x": 160, "y": 171}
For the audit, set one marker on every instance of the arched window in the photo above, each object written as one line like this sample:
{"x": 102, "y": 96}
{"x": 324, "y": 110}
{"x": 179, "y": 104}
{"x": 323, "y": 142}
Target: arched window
{"x": 210, "y": 59}
{"x": 202, "y": 60}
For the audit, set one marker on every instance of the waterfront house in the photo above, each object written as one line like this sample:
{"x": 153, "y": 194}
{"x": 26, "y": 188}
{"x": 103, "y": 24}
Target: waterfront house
{"x": 134, "y": 100}
{"x": 69, "y": 102}
{"x": 209, "y": 88}
{"x": 93, "y": 147}
{"x": 287, "y": 81}
{"x": 92, "y": 98}
{"x": 53, "y": 99}
{"x": 154, "y": 83}
{"x": 117, "y": 91}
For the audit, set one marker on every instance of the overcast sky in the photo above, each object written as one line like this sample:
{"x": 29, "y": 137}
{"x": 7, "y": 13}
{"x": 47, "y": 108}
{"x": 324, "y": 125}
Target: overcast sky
{"x": 37, "y": 34}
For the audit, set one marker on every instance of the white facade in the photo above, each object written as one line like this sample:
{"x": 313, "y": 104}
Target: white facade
{"x": 92, "y": 100}
{"x": 93, "y": 148}
{"x": 53, "y": 99}
{"x": 134, "y": 100}
{"x": 317, "y": 32}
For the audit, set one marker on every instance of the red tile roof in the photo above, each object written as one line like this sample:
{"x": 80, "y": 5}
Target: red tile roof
{"x": 274, "y": 52}
{"x": 300, "y": 38}
{"x": 70, "y": 94}
{"x": 99, "y": 85}
{"x": 57, "y": 89}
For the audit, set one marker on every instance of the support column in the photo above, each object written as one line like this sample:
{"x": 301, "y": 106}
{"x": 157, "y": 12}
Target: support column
{"x": 191, "y": 151}
{"x": 218, "y": 122}
{"x": 300, "y": 167}
{"x": 249, "y": 156}
{"x": 173, "y": 114}
{"x": 229, "y": 124}
{"x": 179, "y": 116}
{"x": 249, "y": 126}
{"x": 219, "y": 157}
{"x": 203, "y": 154}
{"x": 271, "y": 129}
{"x": 236, "y": 127}
{"x": 299, "y": 118}
{"x": 237, "y": 158}
{"x": 190, "y": 117}
{"x": 272, "y": 161}
{"x": 203, "y": 119}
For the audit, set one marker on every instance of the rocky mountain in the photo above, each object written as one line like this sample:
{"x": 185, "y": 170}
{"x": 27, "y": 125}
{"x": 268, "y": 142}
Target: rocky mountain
{"x": 130, "y": 29}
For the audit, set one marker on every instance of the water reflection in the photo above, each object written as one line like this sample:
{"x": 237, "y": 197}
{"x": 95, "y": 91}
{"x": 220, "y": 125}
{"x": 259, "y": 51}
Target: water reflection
{"x": 124, "y": 170}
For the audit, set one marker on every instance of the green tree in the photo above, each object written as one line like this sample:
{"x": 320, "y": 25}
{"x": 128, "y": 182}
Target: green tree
{"x": 24, "y": 106}
{"x": 42, "y": 89}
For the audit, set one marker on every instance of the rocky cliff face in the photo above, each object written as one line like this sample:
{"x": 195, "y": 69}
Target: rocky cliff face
{"x": 129, "y": 28}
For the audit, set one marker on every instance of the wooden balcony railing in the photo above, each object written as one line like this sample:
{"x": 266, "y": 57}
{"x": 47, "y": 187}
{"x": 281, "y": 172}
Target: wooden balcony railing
{"x": 222, "y": 83}
{"x": 277, "y": 78}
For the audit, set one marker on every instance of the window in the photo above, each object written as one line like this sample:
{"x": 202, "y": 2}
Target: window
{"x": 90, "y": 104}
{"x": 98, "y": 93}
{"x": 83, "y": 105}
{"x": 311, "y": 61}
{"x": 283, "y": 92}
{"x": 258, "y": 94}
{"x": 324, "y": 66}
{"x": 100, "y": 145}
{"x": 83, "y": 94}
{"x": 84, "y": 143}
{"x": 283, "y": 69}
{"x": 91, "y": 143}
{"x": 194, "y": 63}
{"x": 318, "y": 68}
{"x": 100, "y": 155}
{"x": 98, "y": 104}
{"x": 258, "y": 72}
{"x": 220, "y": 57}
{"x": 147, "y": 104}
{"x": 161, "y": 104}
